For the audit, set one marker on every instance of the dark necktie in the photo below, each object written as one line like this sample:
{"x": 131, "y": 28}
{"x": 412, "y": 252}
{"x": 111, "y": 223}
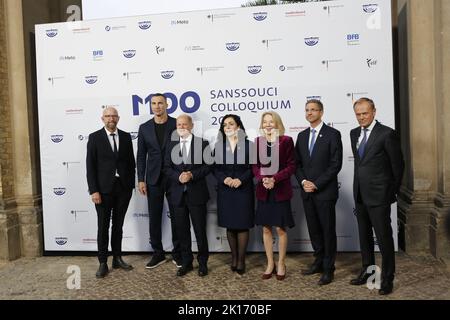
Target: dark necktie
{"x": 362, "y": 145}
{"x": 184, "y": 151}
{"x": 313, "y": 141}
{"x": 113, "y": 135}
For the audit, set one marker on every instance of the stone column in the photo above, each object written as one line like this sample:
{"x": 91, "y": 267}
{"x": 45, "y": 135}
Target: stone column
{"x": 9, "y": 221}
{"x": 425, "y": 107}
{"x": 28, "y": 203}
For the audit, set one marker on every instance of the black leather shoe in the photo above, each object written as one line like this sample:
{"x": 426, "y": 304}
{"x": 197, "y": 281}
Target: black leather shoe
{"x": 312, "y": 270}
{"x": 361, "y": 279}
{"x": 386, "y": 288}
{"x": 203, "y": 270}
{"x": 119, "y": 263}
{"x": 102, "y": 270}
{"x": 326, "y": 278}
{"x": 184, "y": 270}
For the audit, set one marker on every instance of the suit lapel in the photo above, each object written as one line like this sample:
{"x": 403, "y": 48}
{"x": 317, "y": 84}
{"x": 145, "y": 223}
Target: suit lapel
{"x": 106, "y": 141}
{"x": 354, "y": 141}
{"x": 152, "y": 137}
{"x": 168, "y": 135}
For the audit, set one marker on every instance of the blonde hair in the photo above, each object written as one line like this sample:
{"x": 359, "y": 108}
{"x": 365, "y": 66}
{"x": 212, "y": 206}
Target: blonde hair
{"x": 276, "y": 118}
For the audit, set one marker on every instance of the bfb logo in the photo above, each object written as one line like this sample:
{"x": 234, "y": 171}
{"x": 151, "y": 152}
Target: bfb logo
{"x": 233, "y": 46}
{"x": 254, "y": 69}
{"x": 189, "y": 96}
{"x": 51, "y": 33}
{"x": 144, "y": 25}
{"x": 352, "y": 37}
{"x": 260, "y": 16}
{"x": 57, "y": 138}
{"x": 311, "y": 41}
{"x": 129, "y": 53}
{"x": 59, "y": 191}
{"x": 167, "y": 74}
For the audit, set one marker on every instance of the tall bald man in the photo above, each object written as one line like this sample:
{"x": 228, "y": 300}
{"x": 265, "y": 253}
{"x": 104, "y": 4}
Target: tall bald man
{"x": 110, "y": 168}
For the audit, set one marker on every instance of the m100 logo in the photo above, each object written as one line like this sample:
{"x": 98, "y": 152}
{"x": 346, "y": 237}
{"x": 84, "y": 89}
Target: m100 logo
{"x": 189, "y": 102}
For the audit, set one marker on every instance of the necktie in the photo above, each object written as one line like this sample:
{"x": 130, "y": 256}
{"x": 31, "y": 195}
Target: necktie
{"x": 362, "y": 145}
{"x": 113, "y": 135}
{"x": 313, "y": 141}
{"x": 184, "y": 151}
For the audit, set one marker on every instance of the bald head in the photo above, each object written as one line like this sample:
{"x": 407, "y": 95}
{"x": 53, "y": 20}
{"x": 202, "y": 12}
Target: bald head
{"x": 184, "y": 125}
{"x": 110, "y": 118}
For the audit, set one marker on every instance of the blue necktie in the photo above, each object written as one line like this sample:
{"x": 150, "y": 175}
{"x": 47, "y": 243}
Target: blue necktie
{"x": 362, "y": 145}
{"x": 313, "y": 141}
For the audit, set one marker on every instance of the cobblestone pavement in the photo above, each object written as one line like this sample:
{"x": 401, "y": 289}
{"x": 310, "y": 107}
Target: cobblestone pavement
{"x": 418, "y": 277}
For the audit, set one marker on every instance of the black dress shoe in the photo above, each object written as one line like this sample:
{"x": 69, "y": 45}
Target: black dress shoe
{"x": 184, "y": 270}
{"x": 102, "y": 270}
{"x": 326, "y": 278}
{"x": 361, "y": 279}
{"x": 119, "y": 263}
{"x": 386, "y": 288}
{"x": 203, "y": 270}
{"x": 312, "y": 270}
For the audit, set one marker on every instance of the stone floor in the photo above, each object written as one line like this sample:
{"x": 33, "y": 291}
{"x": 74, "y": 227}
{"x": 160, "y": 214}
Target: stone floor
{"x": 418, "y": 277}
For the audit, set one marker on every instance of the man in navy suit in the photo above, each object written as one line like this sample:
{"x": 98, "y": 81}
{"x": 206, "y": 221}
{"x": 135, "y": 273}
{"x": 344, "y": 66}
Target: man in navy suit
{"x": 319, "y": 160}
{"x": 153, "y": 137}
{"x": 187, "y": 165}
{"x": 378, "y": 175}
{"x": 110, "y": 169}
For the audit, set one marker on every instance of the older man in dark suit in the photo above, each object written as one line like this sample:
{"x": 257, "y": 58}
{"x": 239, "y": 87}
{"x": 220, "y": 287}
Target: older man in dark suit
{"x": 319, "y": 160}
{"x": 111, "y": 173}
{"x": 187, "y": 168}
{"x": 378, "y": 174}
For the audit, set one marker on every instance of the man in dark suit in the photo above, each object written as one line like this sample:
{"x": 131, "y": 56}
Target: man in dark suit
{"x": 153, "y": 138}
{"x": 319, "y": 160}
{"x": 111, "y": 172}
{"x": 378, "y": 174}
{"x": 186, "y": 167}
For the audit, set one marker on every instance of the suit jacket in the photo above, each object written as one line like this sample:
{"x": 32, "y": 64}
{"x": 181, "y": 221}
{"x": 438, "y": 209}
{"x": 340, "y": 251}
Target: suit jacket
{"x": 241, "y": 170}
{"x": 196, "y": 189}
{"x": 378, "y": 174}
{"x": 283, "y": 187}
{"x": 150, "y": 156}
{"x": 101, "y": 163}
{"x": 323, "y": 165}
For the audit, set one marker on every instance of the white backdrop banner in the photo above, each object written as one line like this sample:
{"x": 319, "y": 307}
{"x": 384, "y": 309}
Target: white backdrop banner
{"x": 209, "y": 63}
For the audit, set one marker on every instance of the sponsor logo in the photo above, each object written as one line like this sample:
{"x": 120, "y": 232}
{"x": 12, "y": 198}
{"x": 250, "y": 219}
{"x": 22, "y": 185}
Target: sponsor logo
{"x": 208, "y": 69}
{"x": 54, "y": 79}
{"x": 51, "y": 33}
{"x": 57, "y": 138}
{"x": 82, "y": 137}
{"x": 295, "y": 14}
{"x": 356, "y": 95}
{"x": 353, "y": 39}
{"x": 59, "y": 191}
{"x": 167, "y": 74}
{"x": 177, "y": 22}
{"x": 214, "y": 17}
{"x": 91, "y": 79}
{"x": 267, "y": 41}
{"x": 314, "y": 97}
{"x": 194, "y": 48}
{"x": 260, "y": 16}
{"x": 76, "y": 213}
{"x": 129, "y": 53}
{"x": 61, "y": 240}
{"x": 189, "y": 102}
{"x": 128, "y": 75}
{"x": 232, "y": 46}
{"x": 108, "y": 28}
{"x": 283, "y": 68}
{"x": 114, "y": 28}
{"x": 81, "y": 30}
{"x": 67, "y": 58}
{"x": 97, "y": 55}
{"x": 329, "y": 63}
{"x": 370, "y": 8}
{"x": 144, "y": 25}
{"x": 311, "y": 41}
{"x": 330, "y": 8}
{"x": 67, "y": 164}
{"x": 73, "y": 111}
{"x": 159, "y": 49}
{"x": 371, "y": 62}
{"x": 254, "y": 69}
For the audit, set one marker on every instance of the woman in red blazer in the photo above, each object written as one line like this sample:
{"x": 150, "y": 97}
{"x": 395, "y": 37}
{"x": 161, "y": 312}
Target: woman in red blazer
{"x": 273, "y": 170}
